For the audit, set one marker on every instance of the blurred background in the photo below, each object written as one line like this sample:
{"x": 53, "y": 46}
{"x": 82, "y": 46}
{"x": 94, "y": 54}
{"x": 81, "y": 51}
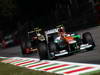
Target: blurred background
{"x": 19, "y": 16}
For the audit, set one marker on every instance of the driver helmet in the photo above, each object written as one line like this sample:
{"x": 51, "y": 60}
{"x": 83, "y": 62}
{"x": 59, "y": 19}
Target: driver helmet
{"x": 61, "y": 29}
{"x": 38, "y": 34}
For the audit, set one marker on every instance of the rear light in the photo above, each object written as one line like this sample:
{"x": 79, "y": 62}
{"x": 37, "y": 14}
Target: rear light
{"x": 28, "y": 50}
{"x": 4, "y": 44}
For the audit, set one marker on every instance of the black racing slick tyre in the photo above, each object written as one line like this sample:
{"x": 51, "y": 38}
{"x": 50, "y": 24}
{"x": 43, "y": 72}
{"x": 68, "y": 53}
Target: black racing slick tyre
{"x": 22, "y": 45}
{"x": 88, "y": 39}
{"x": 51, "y": 52}
{"x": 43, "y": 51}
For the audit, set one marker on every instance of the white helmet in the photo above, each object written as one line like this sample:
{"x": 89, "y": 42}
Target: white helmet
{"x": 38, "y": 34}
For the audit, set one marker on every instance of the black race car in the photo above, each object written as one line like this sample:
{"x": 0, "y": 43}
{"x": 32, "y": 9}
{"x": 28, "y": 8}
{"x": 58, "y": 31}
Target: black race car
{"x": 29, "y": 42}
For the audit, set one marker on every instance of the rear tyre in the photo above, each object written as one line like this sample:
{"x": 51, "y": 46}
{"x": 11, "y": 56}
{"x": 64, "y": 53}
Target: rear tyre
{"x": 43, "y": 51}
{"x": 88, "y": 39}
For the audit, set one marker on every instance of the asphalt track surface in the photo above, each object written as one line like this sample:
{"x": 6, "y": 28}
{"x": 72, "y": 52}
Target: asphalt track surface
{"x": 92, "y": 57}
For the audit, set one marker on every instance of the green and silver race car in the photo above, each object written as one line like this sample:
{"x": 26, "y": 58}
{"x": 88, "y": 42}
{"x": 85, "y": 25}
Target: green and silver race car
{"x": 58, "y": 43}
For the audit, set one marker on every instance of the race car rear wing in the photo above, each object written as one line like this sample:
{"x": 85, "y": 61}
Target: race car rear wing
{"x": 51, "y": 31}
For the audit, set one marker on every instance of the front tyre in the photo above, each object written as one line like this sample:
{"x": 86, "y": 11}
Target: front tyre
{"x": 51, "y": 51}
{"x": 88, "y": 39}
{"x": 43, "y": 51}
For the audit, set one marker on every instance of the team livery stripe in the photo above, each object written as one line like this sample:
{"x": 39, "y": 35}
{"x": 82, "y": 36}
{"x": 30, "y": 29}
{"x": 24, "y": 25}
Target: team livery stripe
{"x": 55, "y": 67}
{"x": 77, "y": 70}
{"x": 24, "y": 62}
{"x": 46, "y": 66}
{"x": 38, "y": 64}
{"x": 65, "y": 68}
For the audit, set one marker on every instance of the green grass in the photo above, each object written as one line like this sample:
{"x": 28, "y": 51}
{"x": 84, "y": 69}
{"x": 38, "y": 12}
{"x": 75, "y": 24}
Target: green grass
{"x": 8, "y": 69}
{"x": 97, "y": 72}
